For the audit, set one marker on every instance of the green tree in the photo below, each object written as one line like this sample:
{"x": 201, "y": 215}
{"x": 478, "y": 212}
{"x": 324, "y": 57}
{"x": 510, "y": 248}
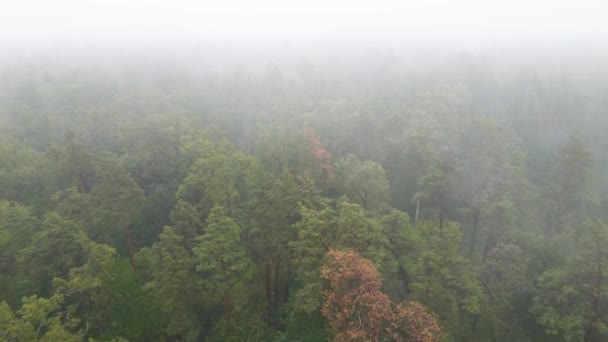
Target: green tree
{"x": 506, "y": 276}
{"x": 570, "y": 298}
{"x": 186, "y": 222}
{"x": 433, "y": 190}
{"x": 117, "y": 200}
{"x": 567, "y": 184}
{"x": 348, "y": 227}
{"x": 403, "y": 247}
{"x": 363, "y": 182}
{"x": 36, "y": 320}
{"x": 75, "y": 164}
{"x": 444, "y": 280}
{"x": 171, "y": 273}
{"x": 129, "y": 311}
{"x": 83, "y": 290}
{"x": 270, "y": 217}
{"x": 315, "y": 235}
{"x": 492, "y": 184}
{"x": 222, "y": 259}
{"x": 25, "y": 174}
{"x": 220, "y": 179}
{"x": 52, "y": 252}
{"x": 18, "y": 226}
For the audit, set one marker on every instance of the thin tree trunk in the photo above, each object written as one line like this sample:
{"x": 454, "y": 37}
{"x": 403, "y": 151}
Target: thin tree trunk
{"x": 474, "y": 234}
{"x": 417, "y": 212}
{"x": 287, "y": 278}
{"x": 226, "y": 305}
{"x": 130, "y": 248}
{"x": 277, "y": 269}
{"x": 268, "y": 296}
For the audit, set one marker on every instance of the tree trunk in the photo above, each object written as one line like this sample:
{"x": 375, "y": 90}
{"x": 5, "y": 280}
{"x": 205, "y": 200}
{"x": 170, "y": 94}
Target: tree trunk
{"x": 226, "y": 305}
{"x": 268, "y": 296}
{"x": 474, "y": 233}
{"x": 130, "y": 248}
{"x": 277, "y": 269}
{"x": 490, "y": 243}
{"x": 287, "y": 278}
{"x": 474, "y": 324}
{"x": 417, "y": 212}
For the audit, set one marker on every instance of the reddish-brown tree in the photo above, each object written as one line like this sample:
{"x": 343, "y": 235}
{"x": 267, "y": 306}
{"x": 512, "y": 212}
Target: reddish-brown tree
{"x": 358, "y": 310}
{"x": 354, "y": 305}
{"x": 413, "y": 323}
{"x": 321, "y": 157}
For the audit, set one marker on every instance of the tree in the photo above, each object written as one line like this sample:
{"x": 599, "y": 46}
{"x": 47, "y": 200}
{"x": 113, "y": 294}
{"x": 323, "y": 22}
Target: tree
{"x": 248, "y": 327}
{"x": 570, "y": 298}
{"x": 348, "y": 227}
{"x": 221, "y": 258}
{"x": 83, "y": 291}
{"x": 171, "y": 271}
{"x": 506, "y": 276}
{"x": 354, "y": 305}
{"x": 117, "y": 198}
{"x": 403, "y": 247}
{"x": 323, "y": 168}
{"x": 25, "y": 174}
{"x": 186, "y": 222}
{"x": 281, "y": 150}
{"x": 491, "y": 183}
{"x": 315, "y": 235}
{"x": 443, "y": 279}
{"x": 221, "y": 179}
{"x": 75, "y": 164}
{"x": 413, "y": 323}
{"x": 356, "y": 229}
{"x": 75, "y": 206}
{"x": 52, "y": 252}
{"x": 357, "y": 309}
{"x": 270, "y": 218}
{"x": 18, "y": 226}
{"x": 566, "y": 186}
{"x": 36, "y": 320}
{"x": 129, "y": 311}
{"x": 363, "y": 182}
{"x": 433, "y": 190}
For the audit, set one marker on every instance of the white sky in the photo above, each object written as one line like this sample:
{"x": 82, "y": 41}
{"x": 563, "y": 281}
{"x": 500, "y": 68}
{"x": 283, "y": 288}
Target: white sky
{"x": 468, "y": 21}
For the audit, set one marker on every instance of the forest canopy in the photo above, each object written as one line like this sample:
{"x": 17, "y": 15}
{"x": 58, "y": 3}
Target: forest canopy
{"x": 365, "y": 196}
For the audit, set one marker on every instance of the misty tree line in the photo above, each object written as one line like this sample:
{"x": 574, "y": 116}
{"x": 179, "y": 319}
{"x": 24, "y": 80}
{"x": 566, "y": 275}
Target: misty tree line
{"x": 308, "y": 202}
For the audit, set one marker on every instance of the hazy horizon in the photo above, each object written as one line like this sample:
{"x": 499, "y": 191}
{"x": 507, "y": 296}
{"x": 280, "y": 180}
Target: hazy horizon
{"x": 473, "y": 25}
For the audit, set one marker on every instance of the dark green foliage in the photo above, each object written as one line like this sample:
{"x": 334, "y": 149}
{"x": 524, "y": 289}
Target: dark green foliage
{"x": 221, "y": 259}
{"x": 52, "y": 252}
{"x": 129, "y": 312}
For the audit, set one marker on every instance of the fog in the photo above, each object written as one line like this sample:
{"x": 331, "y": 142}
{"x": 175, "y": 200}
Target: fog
{"x": 472, "y": 23}
{"x": 316, "y": 171}
{"x": 555, "y": 34}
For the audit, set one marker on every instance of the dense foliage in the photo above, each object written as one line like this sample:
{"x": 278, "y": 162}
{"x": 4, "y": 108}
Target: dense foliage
{"x": 166, "y": 202}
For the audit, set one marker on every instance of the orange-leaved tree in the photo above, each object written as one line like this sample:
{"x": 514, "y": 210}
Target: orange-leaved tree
{"x": 412, "y": 322}
{"x": 358, "y": 310}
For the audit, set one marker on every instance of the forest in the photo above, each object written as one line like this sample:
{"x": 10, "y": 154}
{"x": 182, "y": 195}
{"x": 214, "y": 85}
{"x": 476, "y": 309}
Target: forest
{"x": 344, "y": 196}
